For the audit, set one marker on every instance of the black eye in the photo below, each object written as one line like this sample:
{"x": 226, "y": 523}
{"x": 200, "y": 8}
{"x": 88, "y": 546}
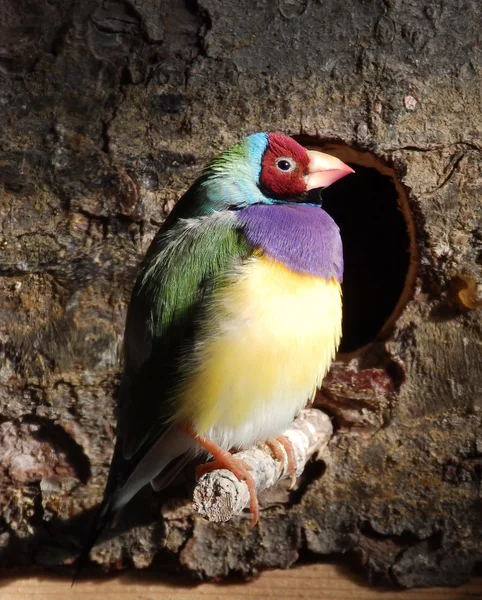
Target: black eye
{"x": 285, "y": 164}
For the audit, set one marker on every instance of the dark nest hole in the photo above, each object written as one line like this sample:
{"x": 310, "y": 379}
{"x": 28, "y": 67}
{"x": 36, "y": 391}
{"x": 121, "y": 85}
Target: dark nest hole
{"x": 371, "y": 208}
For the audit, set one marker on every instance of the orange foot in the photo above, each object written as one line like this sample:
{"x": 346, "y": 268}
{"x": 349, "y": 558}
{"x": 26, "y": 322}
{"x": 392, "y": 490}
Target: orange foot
{"x": 275, "y": 446}
{"x": 225, "y": 460}
{"x": 207, "y": 468}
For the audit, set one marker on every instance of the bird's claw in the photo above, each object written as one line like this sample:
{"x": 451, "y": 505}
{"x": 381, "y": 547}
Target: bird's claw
{"x": 286, "y": 458}
{"x": 225, "y": 460}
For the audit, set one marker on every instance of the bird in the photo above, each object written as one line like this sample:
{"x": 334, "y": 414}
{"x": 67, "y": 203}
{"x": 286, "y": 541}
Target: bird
{"x": 234, "y": 319}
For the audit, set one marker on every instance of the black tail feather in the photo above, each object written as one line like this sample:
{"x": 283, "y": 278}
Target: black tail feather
{"x": 102, "y": 521}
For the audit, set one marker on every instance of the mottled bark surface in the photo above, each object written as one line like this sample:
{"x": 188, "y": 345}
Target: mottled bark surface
{"x": 109, "y": 109}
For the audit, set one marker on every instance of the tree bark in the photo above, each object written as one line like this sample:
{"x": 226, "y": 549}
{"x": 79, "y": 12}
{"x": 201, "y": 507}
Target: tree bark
{"x": 109, "y": 110}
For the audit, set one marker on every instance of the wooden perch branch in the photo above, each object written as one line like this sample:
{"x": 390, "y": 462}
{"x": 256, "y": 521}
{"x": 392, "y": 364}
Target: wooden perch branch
{"x": 219, "y": 495}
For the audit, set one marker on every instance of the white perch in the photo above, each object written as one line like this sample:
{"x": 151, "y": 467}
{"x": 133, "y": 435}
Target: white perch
{"x": 219, "y": 495}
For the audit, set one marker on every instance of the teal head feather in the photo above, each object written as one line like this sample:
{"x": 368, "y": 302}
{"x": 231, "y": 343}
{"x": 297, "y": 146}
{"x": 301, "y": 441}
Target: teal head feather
{"x": 229, "y": 180}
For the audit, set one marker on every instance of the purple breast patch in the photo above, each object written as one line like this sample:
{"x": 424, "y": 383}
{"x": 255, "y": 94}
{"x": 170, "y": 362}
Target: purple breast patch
{"x": 303, "y": 238}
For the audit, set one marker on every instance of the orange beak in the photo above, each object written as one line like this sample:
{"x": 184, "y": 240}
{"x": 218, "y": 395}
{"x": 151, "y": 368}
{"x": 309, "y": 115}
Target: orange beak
{"x": 324, "y": 170}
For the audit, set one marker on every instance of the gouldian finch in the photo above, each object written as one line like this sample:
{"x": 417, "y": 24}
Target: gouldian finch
{"x": 234, "y": 319}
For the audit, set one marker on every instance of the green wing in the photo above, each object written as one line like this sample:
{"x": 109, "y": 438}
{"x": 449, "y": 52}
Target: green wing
{"x": 181, "y": 268}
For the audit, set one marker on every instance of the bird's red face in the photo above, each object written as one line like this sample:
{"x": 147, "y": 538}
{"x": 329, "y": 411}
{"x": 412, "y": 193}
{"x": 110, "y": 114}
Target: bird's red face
{"x": 289, "y": 170}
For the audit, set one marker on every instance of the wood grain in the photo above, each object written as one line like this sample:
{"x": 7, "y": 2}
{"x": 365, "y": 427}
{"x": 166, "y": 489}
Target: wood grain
{"x": 323, "y": 582}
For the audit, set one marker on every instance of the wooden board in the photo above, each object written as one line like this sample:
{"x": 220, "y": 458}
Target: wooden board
{"x": 320, "y": 582}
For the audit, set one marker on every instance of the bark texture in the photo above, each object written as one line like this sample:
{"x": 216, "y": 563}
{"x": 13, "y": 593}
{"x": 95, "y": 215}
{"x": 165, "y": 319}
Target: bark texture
{"x": 109, "y": 109}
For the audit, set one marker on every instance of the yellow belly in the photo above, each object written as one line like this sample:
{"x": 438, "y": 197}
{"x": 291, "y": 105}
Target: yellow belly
{"x": 266, "y": 347}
